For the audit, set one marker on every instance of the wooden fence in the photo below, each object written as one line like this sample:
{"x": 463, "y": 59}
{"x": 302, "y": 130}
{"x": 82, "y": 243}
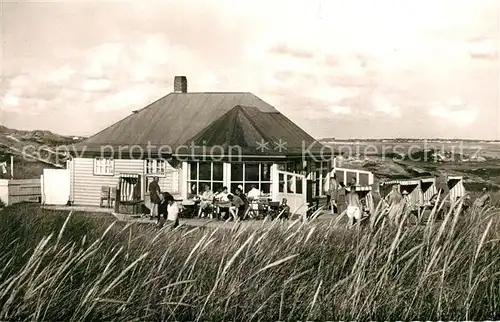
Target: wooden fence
{"x": 22, "y": 190}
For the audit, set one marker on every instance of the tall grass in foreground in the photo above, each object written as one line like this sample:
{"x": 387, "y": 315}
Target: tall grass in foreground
{"x": 55, "y": 266}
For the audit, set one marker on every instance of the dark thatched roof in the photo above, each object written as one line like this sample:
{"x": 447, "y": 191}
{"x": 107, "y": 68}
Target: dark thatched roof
{"x": 206, "y": 119}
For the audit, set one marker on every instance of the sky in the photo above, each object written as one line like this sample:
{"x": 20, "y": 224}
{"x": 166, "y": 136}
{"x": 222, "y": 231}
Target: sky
{"x": 343, "y": 69}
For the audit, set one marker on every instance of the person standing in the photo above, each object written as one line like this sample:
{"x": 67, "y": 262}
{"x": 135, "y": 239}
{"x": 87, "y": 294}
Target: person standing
{"x": 154, "y": 195}
{"x": 333, "y": 192}
{"x": 353, "y": 206}
{"x": 394, "y": 197}
{"x": 395, "y": 202}
{"x": 341, "y": 198}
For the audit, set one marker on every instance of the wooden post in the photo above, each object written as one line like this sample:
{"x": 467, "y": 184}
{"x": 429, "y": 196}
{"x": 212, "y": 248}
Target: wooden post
{"x": 117, "y": 199}
{"x": 12, "y": 167}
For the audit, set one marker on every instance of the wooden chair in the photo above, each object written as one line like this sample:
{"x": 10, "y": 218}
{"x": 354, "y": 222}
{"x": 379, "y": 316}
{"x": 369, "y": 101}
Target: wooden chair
{"x": 252, "y": 210}
{"x": 245, "y": 213}
{"x": 105, "y": 196}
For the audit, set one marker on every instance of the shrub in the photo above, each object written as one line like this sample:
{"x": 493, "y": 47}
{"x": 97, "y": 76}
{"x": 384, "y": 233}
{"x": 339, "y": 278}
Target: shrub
{"x": 55, "y": 266}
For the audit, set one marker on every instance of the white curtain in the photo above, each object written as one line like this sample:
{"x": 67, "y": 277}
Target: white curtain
{"x": 291, "y": 184}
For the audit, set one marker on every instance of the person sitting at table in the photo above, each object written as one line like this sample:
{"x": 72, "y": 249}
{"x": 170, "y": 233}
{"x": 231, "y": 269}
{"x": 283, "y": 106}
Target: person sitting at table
{"x": 217, "y": 193}
{"x": 162, "y": 209}
{"x": 223, "y": 194}
{"x": 237, "y": 208}
{"x": 254, "y": 193}
{"x": 223, "y": 202}
{"x": 172, "y": 212}
{"x": 206, "y": 200}
{"x": 239, "y": 192}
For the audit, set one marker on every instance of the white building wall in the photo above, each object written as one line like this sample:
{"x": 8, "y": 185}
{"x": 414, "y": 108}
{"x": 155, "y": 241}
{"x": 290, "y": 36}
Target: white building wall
{"x": 86, "y": 187}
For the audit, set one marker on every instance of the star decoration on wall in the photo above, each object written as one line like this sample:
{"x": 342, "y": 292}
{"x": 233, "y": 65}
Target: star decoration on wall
{"x": 280, "y": 145}
{"x": 262, "y": 145}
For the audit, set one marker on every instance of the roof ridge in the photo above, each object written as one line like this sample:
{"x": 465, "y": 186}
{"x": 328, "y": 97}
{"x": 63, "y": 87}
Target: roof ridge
{"x": 210, "y": 125}
{"x": 237, "y": 110}
{"x": 216, "y": 116}
{"x": 254, "y": 125}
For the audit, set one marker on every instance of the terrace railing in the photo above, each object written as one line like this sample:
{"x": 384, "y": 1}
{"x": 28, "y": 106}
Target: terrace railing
{"x": 291, "y": 186}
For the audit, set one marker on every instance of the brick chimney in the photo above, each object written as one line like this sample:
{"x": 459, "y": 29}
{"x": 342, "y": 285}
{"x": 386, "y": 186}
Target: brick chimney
{"x": 180, "y": 84}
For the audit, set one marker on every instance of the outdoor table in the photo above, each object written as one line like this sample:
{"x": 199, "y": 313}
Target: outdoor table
{"x": 190, "y": 206}
{"x": 223, "y": 207}
{"x": 262, "y": 205}
{"x": 274, "y": 208}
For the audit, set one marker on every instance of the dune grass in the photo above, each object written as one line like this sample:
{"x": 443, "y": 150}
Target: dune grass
{"x": 72, "y": 267}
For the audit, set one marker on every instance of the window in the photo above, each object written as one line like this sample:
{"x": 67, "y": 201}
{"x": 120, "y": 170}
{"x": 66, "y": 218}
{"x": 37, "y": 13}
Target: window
{"x": 321, "y": 173}
{"x": 364, "y": 179}
{"x": 340, "y": 176}
{"x": 205, "y": 173}
{"x": 251, "y": 174}
{"x": 156, "y": 167}
{"x": 290, "y": 183}
{"x": 346, "y": 177}
{"x": 104, "y": 166}
{"x": 350, "y": 177}
{"x": 281, "y": 182}
{"x": 294, "y": 167}
{"x": 298, "y": 185}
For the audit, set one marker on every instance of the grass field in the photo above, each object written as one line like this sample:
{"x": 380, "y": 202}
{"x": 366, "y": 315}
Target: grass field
{"x": 85, "y": 267}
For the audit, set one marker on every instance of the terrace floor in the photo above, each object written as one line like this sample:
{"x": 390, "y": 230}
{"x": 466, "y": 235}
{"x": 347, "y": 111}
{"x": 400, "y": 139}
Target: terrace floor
{"x": 194, "y": 222}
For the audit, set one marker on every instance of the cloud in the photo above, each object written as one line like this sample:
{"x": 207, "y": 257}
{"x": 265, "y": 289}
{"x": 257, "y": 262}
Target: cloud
{"x": 17, "y": 81}
{"x": 338, "y": 109}
{"x": 455, "y": 113}
{"x": 346, "y": 69}
{"x": 384, "y": 106}
{"x": 284, "y": 49}
{"x": 129, "y": 98}
{"x": 100, "y": 59}
{"x": 333, "y": 94}
{"x": 483, "y": 49}
{"x": 96, "y": 85}
{"x": 10, "y": 100}
{"x": 60, "y": 75}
